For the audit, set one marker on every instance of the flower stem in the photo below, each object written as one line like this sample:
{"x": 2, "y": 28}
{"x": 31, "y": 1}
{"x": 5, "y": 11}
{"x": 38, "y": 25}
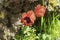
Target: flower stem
{"x": 42, "y": 16}
{"x": 42, "y": 19}
{"x": 43, "y": 2}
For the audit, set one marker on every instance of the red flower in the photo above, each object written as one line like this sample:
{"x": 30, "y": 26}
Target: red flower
{"x": 39, "y": 10}
{"x": 28, "y": 18}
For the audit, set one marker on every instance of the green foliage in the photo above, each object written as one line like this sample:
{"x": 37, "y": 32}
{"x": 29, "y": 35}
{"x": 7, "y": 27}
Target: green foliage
{"x": 27, "y": 33}
{"x": 45, "y": 28}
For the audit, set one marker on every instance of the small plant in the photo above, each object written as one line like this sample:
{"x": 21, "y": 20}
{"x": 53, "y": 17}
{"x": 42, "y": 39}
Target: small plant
{"x": 38, "y": 19}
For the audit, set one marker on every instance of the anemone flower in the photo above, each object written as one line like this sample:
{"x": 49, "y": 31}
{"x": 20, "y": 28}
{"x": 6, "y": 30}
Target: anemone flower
{"x": 28, "y": 18}
{"x": 39, "y": 10}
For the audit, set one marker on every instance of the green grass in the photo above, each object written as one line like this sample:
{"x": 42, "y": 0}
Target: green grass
{"x": 44, "y": 28}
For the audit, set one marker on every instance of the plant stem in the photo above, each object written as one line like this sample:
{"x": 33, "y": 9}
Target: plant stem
{"x": 42, "y": 16}
{"x": 42, "y": 19}
{"x": 43, "y": 2}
